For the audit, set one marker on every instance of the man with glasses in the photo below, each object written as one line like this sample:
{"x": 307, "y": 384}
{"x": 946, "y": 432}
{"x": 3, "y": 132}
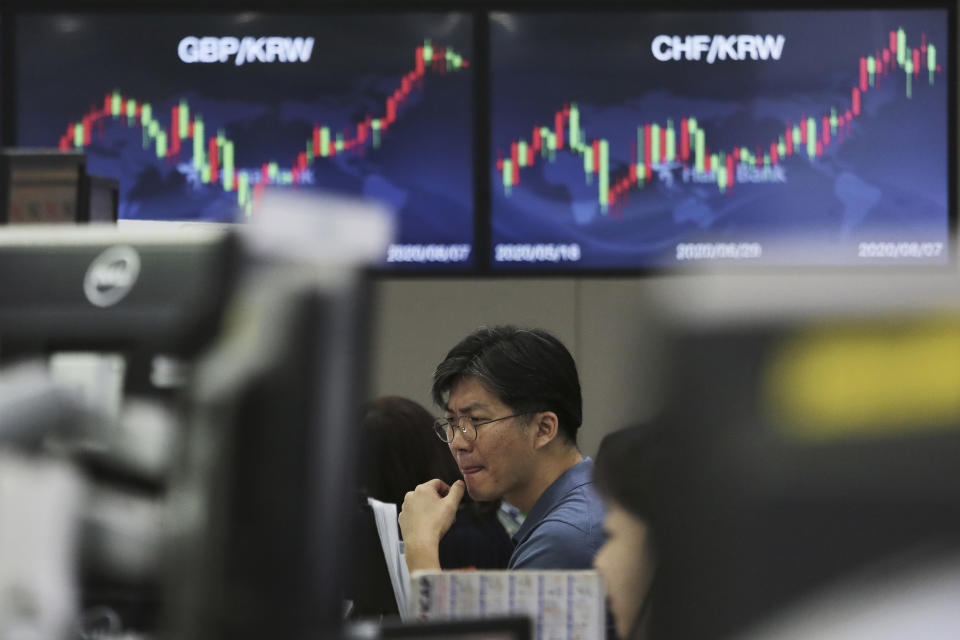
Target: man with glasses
{"x": 513, "y": 406}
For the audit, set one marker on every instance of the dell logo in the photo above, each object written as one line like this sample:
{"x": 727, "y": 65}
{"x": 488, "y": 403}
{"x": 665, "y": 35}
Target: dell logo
{"x": 111, "y": 276}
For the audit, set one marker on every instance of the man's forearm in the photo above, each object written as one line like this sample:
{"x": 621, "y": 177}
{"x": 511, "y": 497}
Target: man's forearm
{"x": 422, "y": 556}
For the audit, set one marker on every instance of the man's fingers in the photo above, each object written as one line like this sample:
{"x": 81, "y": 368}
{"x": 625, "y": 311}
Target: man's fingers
{"x": 437, "y": 485}
{"x": 455, "y": 494}
{"x": 429, "y": 510}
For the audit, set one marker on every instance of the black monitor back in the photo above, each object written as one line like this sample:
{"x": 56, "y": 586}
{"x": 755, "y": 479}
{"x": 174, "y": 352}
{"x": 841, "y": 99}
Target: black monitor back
{"x": 99, "y": 289}
{"x": 803, "y": 452}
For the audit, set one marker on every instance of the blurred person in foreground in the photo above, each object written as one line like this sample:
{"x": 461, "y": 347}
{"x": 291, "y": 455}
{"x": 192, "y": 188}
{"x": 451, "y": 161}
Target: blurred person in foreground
{"x": 625, "y": 475}
{"x": 512, "y": 406}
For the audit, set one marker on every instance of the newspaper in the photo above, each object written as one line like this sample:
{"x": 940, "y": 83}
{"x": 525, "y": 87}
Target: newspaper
{"x": 385, "y": 514}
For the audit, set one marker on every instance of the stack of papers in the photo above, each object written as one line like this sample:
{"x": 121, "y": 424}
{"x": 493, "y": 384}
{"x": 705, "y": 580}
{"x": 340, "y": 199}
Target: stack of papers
{"x": 385, "y": 514}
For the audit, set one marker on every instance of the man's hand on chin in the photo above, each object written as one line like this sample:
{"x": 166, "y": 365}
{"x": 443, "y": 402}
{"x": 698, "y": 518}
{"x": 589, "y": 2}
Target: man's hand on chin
{"x": 427, "y": 514}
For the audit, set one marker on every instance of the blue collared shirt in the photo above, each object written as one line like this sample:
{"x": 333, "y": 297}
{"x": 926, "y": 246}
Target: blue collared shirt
{"x": 564, "y": 530}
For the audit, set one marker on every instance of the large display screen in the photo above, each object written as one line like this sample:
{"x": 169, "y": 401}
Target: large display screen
{"x": 650, "y": 140}
{"x": 197, "y": 114}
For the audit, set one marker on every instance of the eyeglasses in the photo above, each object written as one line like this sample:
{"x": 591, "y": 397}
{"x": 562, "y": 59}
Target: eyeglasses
{"x": 444, "y": 427}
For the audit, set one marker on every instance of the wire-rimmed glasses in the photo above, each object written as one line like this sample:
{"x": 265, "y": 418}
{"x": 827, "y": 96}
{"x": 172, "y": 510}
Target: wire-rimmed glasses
{"x": 444, "y": 427}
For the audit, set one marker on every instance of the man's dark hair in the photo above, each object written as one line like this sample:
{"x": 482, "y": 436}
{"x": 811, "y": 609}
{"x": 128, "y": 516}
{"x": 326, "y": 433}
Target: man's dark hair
{"x": 529, "y": 370}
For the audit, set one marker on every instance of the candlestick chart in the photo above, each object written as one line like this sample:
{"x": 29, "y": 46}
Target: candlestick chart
{"x": 839, "y": 138}
{"x": 213, "y": 155}
{"x": 382, "y": 117}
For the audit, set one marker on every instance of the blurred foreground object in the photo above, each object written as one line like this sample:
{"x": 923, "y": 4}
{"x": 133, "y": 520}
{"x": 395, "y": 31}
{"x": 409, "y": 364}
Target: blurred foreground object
{"x": 50, "y": 186}
{"x": 814, "y": 425}
{"x": 175, "y": 447}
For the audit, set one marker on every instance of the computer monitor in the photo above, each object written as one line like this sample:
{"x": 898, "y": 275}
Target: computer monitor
{"x": 274, "y": 347}
{"x": 812, "y": 441}
{"x": 648, "y": 139}
{"x": 510, "y": 628}
{"x": 96, "y": 288}
{"x": 196, "y": 114}
{"x": 40, "y": 186}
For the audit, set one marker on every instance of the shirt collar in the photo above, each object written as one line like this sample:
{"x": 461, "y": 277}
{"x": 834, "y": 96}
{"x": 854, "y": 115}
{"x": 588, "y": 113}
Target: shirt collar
{"x": 576, "y": 476}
